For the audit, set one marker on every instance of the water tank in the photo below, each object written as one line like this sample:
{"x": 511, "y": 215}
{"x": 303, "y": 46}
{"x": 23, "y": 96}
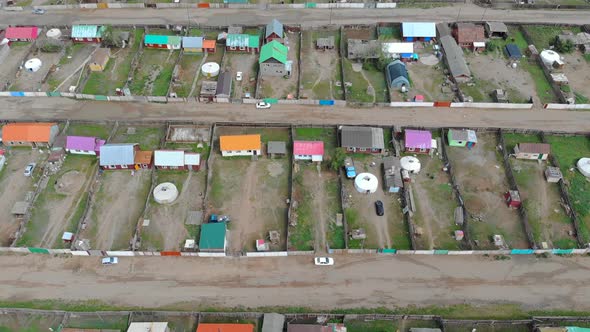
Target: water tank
{"x": 584, "y": 166}
{"x": 366, "y": 183}
{"x": 165, "y": 193}
{"x": 33, "y": 65}
{"x": 53, "y": 34}
{"x": 210, "y": 69}
{"x": 549, "y": 57}
{"x": 410, "y": 164}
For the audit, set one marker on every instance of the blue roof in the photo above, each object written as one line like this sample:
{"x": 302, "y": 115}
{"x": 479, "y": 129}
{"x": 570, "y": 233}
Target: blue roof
{"x": 513, "y": 51}
{"x": 192, "y": 42}
{"x": 117, "y": 154}
{"x": 419, "y": 29}
{"x": 274, "y": 26}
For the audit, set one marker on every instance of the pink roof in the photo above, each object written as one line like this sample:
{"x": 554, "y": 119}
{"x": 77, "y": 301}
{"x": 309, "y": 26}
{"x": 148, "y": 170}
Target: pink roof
{"x": 21, "y": 33}
{"x": 84, "y": 143}
{"x": 313, "y": 148}
{"x": 418, "y": 139}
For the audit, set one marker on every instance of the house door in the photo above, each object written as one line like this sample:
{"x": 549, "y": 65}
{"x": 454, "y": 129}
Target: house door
{"x": 255, "y": 152}
{"x": 540, "y": 156}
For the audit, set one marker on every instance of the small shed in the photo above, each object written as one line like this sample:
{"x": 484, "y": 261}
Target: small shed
{"x": 553, "y": 174}
{"x": 499, "y": 96}
{"x": 273, "y": 322}
{"x": 326, "y": 43}
{"x": 224, "y": 86}
{"x": 192, "y": 44}
{"x": 213, "y": 237}
{"x": 392, "y": 176}
{"x": 19, "y": 209}
{"x": 496, "y": 30}
{"x": 512, "y": 198}
{"x": 462, "y": 137}
{"x": 397, "y": 75}
{"x": 208, "y": 91}
{"x": 275, "y": 148}
{"x": 415, "y": 31}
{"x": 274, "y": 31}
{"x": 100, "y": 59}
{"x": 513, "y": 52}
{"x": 532, "y": 151}
{"x": 363, "y": 49}
{"x": 235, "y": 29}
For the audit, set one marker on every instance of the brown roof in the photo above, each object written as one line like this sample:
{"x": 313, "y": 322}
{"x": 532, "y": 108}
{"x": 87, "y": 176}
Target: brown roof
{"x": 534, "y": 148}
{"x": 469, "y": 33}
{"x": 27, "y": 132}
{"x": 101, "y": 56}
{"x": 143, "y": 157}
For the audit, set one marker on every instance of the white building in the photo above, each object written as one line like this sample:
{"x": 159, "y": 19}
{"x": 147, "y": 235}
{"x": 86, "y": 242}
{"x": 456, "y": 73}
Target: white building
{"x": 149, "y": 327}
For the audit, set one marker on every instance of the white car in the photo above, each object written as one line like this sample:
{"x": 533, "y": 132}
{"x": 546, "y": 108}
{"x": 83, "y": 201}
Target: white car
{"x": 110, "y": 260}
{"x": 239, "y": 76}
{"x": 262, "y": 105}
{"x": 29, "y": 169}
{"x": 323, "y": 261}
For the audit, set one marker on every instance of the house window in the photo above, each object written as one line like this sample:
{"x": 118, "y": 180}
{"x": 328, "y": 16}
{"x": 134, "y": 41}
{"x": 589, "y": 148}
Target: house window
{"x": 422, "y": 150}
{"x": 242, "y": 48}
{"x": 410, "y": 149}
{"x": 249, "y": 151}
{"x": 124, "y": 166}
{"x": 173, "y": 167}
{"x": 362, "y": 149}
{"x": 111, "y": 167}
{"x": 232, "y": 48}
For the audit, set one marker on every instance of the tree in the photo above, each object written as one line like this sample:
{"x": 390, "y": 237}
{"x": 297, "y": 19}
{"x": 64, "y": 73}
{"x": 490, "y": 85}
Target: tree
{"x": 337, "y": 159}
{"x": 110, "y": 38}
{"x": 562, "y": 46}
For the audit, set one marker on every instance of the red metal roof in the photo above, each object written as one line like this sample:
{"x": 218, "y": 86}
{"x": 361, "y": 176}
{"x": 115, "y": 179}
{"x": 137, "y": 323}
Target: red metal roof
{"x": 305, "y": 148}
{"x": 21, "y": 33}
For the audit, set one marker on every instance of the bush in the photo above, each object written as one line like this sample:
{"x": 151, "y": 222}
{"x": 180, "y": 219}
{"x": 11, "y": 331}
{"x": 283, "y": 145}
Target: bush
{"x": 337, "y": 159}
{"x": 563, "y": 46}
{"x": 51, "y": 48}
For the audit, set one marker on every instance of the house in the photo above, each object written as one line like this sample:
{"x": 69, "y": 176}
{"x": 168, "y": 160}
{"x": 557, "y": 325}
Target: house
{"x": 213, "y": 239}
{"x": 392, "y": 174}
{"x": 462, "y": 137}
{"x": 512, "y": 198}
{"x": 273, "y": 322}
{"x": 553, "y": 174}
{"x": 143, "y": 159}
{"x": 29, "y": 134}
{"x": 275, "y": 148}
{"x": 513, "y": 52}
{"x": 224, "y": 86}
{"x": 87, "y": 33}
{"x": 209, "y": 46}
{"x": 362, "y": 139}
{"x": 496, "y": 30}
{"x": 242, "y": 43}
{"x": 274, "y": 31}
{"x": 167, "y": 42}
{"x": 84, "y": 145}
{"x": 192, "y": 44}
{"x": 417, "y": 141}
{"x": 308, "y": 150}
{"x": 100, "y": 59}
{"x": 455, "y": 61}
{"x": 22, "y": 33}
{"x": 211, "y": 327}
{"x": 273, "y": 59}
{"x": 415, "y": 31}
{"x": 326, "y": 43}
{"x": 470, "y": 36}
{"x": 363, "y": 49}
{"x": 177, "y": 159}
{"x": 208, "y": 90}
{"x": 240, "y": 145}
{"x": 148, "y": 327}
{"x": 532, "y": 151}
{"x": 316, "y": 328}
{"x": 403, "y": 51}
{"x": 397, "y": 75}
{"x": 118, "y": 156}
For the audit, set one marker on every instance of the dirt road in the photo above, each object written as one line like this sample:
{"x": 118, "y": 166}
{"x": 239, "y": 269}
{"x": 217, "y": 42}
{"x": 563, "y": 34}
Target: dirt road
{"x": 355, "y": 281}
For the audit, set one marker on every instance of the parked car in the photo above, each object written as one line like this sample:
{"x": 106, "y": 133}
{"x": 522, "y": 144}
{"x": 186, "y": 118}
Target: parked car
{"x": 379, "y": 208}
{"x": 110, "y": 260}
{"x": 38, "y": 11}
{"x": 262, "y": 105}
{"x": 239, "y": 76}
{"x": 29, "y": 169}
{"x": 324, "y": 261}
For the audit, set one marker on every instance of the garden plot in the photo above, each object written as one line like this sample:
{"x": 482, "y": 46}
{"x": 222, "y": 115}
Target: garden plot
{"x": 316, "y": 192}
{"x": 15, "y": 58}
{"x": 70, "y": 67}
{"x": 188, "y": 67}
{"x": 154, "y": 72}
{"x": 90, "y": 129}
{"x": 97, "y": 320}
{"x": 577, "y": 70}
{"x": 252, "y": 193}
{"x": 14, "y": 187}
{"x": 247, "y": 63}
{"x": 278, "y": 86}
{"x": 387, "y": 231}
{"x": 482, "y": 182}
{"x": 27, "y": 321}
{"x": 148, "y": 137}
{"x": 115, "y": 75}
{"x": 321, "y": 76}
{"x": 33, "y": 81}
{"x": 541, "y": 199}
{"x": 60, "y": 205}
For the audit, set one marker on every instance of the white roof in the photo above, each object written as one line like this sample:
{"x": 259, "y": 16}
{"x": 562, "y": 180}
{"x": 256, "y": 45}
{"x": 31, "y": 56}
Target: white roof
{"x": 411, "y": 164}
{"x": 192, "y": 159}
{"x": 366, "y": 182}
{"x": 170, "y": 158}
{"x": 148, "y": 327}
{"x": 479, "y": 44}
{"x": 397, "y": 48}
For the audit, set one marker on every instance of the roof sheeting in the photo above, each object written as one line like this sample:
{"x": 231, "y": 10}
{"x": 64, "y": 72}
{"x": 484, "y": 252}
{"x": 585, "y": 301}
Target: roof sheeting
{"x": 192, "y": 159}
{"x": 239, "y": 142}
{"x": 513, "y": 51}
{"x": 148, "y": 326}
{"x": 397, "y": 48}
{"x": 497, "y": 27}
{"x": 274, "y": 27}
{"x": 418, "y": 139}
{"x": 212, "y": 237}
{"x": 169, "y": 158}
{"x": 27, "y": 132}
{"x": 274, "y": 50}
{"x": 87, "y": 31}
{"x": 308, "y": 148}
{"x": 419, "y": 29}
{"x": 143, "y": 157}
{"x": 463, "y": 135}
{"x": 277, "y": 147}
{"x": 117, "y": 154}
{"x": 362, "y": 137}
{"x": 454, "y": 57}
{"x": 273, "y": 322}
{"x": 242, "y": 40}
{"x": 162, "y": 40}
{"x": 469, "y": 33}
{"x": 21, "y": 33}
{"x": 192, "y": 42}
{"x": 84, "y": 143}
{"x": 542, "y": 148}
{"x": 397, "y": 69}
{"x": 224, "y": 82}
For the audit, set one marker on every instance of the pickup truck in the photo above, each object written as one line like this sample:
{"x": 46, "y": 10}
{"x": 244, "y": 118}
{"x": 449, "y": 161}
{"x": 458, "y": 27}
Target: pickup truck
{"x": 349, "y": 168}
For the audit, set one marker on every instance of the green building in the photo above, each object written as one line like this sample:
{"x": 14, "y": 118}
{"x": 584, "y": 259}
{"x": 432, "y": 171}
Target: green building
{"x": 462, "y": 137}
{"x": 213, "y": 237}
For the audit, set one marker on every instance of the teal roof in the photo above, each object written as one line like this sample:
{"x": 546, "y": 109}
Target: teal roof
{"x": 242, "y": 40}
{"x": 253, "y": 41}
{"x": 274, "y": 50}
{"x": 162, "y": 40}
{"x": 212, "y": 236}
{"x": 577, "y": 329}
{"x": 87, "y": 31}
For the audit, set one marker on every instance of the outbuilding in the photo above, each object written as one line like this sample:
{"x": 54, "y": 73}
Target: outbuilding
{"x": 143, "y": 159}
{"x": 553, "y": 174}
{"x": 308, "y": 150}
{"x": 242, "y": 43}
{"x": 86, "y": 145}
{"x": 392, "y": 176}
{"x": 359, "y": 49}
{"x": 416, "y": 31}
{"x": 496, "y": 30}
{"x": 148, "y": 327}
{"x": 512, "y": 198}
{"x": 87, "y": 33}
{"x": 192, "y": 44}
{"x": 513, "y": 52}
{"x": 362, "y": 139}
{"x": 274, "y": 31}
{"x": 224, "y": 87}
{"x": 100, "y": 59}
{"x": 397, "y": 75}
{"x": 325, "y": 43}
{"x": 240, "y": 145}
{"x": 276, "y": 148}
{"x": 469, "y": 36}
{"x": 209, "y": 46}
{"x": 224, "y": 327}
{"x": 34, "y": 134}
{"x": 418, "y": 141}
{"x": 402, "y": 51}
{"x": 165, "y": 42}
{"x": 455, "y": 60}
{"x": 213, "y": 237}
{"x": 273, "y": 322}
{"x": 532, "y": 151}
{"x": 462, "y": 137}
{"x": 118, "y": 156}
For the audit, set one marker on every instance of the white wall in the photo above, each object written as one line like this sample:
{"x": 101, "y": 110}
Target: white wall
{"x": 88, "y": 153}
{"x": 239, "y": 153}
{"x": 307, "y": 157}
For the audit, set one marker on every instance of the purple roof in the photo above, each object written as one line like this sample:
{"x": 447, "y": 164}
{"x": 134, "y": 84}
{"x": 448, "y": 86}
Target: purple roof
{"x": 418, "y": 139}
{"x": 83, "y": 143}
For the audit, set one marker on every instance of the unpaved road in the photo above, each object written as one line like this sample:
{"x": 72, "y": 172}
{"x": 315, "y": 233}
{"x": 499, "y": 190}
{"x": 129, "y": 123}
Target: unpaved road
{"x": 355, "y": 281}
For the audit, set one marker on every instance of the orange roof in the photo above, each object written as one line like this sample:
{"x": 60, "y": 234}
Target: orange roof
{"x": 208, "y": 43}
{"x": 225, "y": 328}
{"x": 27, "y": 132}
{"x": 143, "y": 157}
{"x": 240, "y": 142}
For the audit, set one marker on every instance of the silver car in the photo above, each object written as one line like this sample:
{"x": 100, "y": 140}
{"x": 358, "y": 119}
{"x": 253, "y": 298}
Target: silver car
{"x": 29, "y": 169}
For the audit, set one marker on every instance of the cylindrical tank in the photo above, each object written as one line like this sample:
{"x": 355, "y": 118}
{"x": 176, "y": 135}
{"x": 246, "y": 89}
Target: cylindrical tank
{"x": 165, "y": 193}
{"x": 210, "y": 69}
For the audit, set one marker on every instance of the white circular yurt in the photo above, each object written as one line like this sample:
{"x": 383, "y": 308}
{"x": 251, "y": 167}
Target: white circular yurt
{"x": 366, "y": 183}
{"x": 549, "y": 57}
{"x": 33, "y": 65}
{"x": 410, "y": 164}
{"x": 165, "y": 193}
{"x": 4, "y": 41}
{"x": 210, "y": 69}
{"x": 584, "y": 166}
{"x": 53, "y": 34}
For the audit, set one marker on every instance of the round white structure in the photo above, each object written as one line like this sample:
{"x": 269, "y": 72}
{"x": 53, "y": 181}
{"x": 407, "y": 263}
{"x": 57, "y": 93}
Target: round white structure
{"x": 165, "y": 193}
{"x": 411, "y": 164}
{"x": 33, "y": 65}
{"x": 210, "y": 69}
{"x": 366, "y": 183}
{"x": 53, "y": 34}
{"x": 549, "y": 57}
{"x": 4, "y": 41}
{"x": 584, "y": 166}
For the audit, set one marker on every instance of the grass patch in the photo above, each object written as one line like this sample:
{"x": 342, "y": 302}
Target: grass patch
{"x": 148, "y": 138}
{"x": 162, "y": 82}
{"x": 542, "y": 36}
{"x": 581, "y": 99}
{"x": 357, "y": 92}
{"x": 301, "y": 236}
{"x": 94, "y": 130}
{"x": 374, "y": 326}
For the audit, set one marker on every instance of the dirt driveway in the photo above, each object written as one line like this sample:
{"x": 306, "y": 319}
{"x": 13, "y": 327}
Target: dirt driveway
{"x": 577, "y": 70}
{"x": 247, "y": 64}
{"x": 321, "y": 69}
{"x": 10, "y": 65}
{"x": 277, "y": 86}
{"x": 31, "y": 81}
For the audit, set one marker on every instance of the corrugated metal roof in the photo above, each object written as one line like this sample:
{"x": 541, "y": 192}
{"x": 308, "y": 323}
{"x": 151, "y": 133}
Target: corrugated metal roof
{"x": 396, "y": 48}
{"x": 192, "y": 42}
{"x": 362, "y": 137}
{"x": 274, "y": 50}
{"x": 237, "y": 40}
{"x": 273, "y": 322}
{"x": 454, "y": 56}
{"x": 87, "y": 31}
{"x": 169, "y": 158}
{"x": 276, "y": 147}
{"x": 312, "y": 148}
{"x": 117, "y": 154}
{"x": 27, "y": 132}
{"x": 463, "y": 135}
{"x": 191, "y": 159}
{"x": 148, "y": 326}
{"x": 418, "y": 139}
{"x": 274, "y": 27}
{"x": 212, "y": 237}
{"x": 419, "y": 29}
{"x": 21, "y": 33}
{"x": 542, "y": 148}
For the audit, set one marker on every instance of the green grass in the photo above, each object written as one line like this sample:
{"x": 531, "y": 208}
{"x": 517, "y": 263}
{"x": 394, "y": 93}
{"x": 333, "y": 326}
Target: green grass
{"x": 147, "y": 137}
{"x": 358, "y": 91}
{"x": 154, "y": 60}
{"x": 510, "y": 140}
{"x": 301, "y": 236}
{"x": 581, "y": 99}
{"x": 71, "y": 50}
{"x": 194, "y": 32}
{"x": 542, "y": 36}
{"x": 162, "y": 82}
{"x": 377, "y": 79}
{"x": 373, "y": 326}
{"x": 94, "y": 130}
{"x": 327, "y": 135}
{"x": 188, "y": 66}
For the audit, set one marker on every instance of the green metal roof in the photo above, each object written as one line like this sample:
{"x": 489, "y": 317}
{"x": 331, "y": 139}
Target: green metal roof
{"x": 577, "y": 329}
{"x": 212, "y": 236}
{"x": 87, "y": 31}
{"x": 254, "y": 41}
{"x": 162, "y": 40}
{"x": 242, "y": 40}
{"x": 274, "y": 50}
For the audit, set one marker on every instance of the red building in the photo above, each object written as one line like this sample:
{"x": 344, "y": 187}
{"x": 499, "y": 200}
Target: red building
{"x": 209, "y": 46}
{"x": 470, "y": 36}
{"x": 177, "y": 160}
{"x": 274, "y": 31}
{"x": 512, "y": 198}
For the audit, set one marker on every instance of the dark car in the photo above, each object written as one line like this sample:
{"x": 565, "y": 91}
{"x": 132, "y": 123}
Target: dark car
{"x": 379, "y": 208}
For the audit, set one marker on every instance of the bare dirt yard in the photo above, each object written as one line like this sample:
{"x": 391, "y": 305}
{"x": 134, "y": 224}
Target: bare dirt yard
{"x": 14, "y": 187}
{"x": 252, "y": 193}
{"x": 247, "y": 64}
{"x": 482, "y": 182}
{"x": 33, "y": 81}
{"x": 321, "y": 75}
{"x": 577, "y": 70}
{"x": 277, "y": 86}
{"x": 15, "y": 58}
{"x": 60, "y": 205}
{"x": 68, "y": 70}
{"x": 116, "y": 209}
{"x": 154, "y": 72}
{"x": 188, "y": 67}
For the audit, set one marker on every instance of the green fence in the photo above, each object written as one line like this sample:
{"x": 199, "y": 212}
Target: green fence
{"x": 38, "y": 250}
